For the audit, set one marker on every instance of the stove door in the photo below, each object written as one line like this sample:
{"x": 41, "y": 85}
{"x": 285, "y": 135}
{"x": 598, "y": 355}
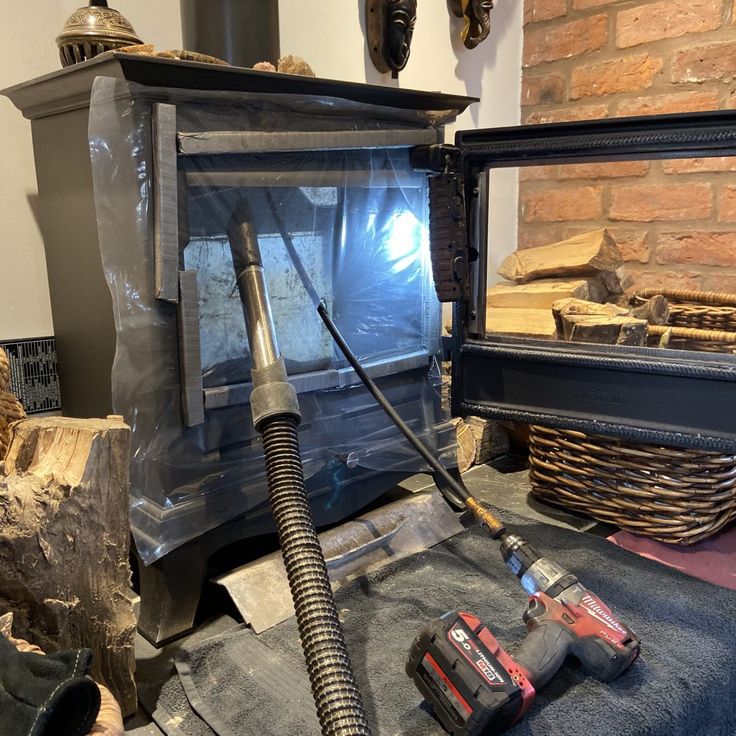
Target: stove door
{"x": 672, "y": 388}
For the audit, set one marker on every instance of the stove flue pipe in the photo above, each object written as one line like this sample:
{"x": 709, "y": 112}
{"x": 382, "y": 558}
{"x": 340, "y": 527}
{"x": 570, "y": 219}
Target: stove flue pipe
{"x": 241, "y": 32}
{"x": 275, "y": 410}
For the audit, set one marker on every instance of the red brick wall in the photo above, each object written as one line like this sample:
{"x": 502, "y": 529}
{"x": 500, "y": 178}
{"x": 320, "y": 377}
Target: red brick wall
{"x": 675, "y": 221}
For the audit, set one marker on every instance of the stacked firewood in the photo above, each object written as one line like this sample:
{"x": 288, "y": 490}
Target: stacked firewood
{"x": 568, "y": 291}
{"x": 478, "y": 440}
{"x": 583, "y": 303}
{"x": 584, "y": 267}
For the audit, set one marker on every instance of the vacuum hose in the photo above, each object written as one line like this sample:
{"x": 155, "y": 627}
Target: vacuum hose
{"x": 275, "y": 410}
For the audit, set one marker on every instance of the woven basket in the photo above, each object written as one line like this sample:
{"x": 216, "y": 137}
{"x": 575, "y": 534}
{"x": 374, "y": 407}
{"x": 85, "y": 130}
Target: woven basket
{"x": 11, "y": 410}
{"x": 673, "y": 495}
{"x": 698, "y": 320}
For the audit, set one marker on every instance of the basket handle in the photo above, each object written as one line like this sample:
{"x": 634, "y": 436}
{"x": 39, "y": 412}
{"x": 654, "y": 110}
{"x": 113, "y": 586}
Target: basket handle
{"x": 716, "y": 298}
{"x": 693, "y": 333}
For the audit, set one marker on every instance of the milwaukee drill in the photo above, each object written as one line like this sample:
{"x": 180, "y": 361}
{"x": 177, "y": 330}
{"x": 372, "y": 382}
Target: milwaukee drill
{"x": 476, "y": 687}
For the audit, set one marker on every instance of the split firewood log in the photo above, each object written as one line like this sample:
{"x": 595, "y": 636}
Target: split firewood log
{"x": 608, "y": 324}
{"x": 586, "y": 254}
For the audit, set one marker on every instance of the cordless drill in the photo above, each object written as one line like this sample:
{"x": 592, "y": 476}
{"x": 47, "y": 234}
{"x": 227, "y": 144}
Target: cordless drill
{"x": 476, "y": 687}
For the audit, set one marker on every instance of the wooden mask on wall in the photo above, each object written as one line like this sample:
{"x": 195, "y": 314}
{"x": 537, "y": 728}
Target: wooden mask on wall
{"x": 477, "y": 17}
{"x": 390, "y": 27}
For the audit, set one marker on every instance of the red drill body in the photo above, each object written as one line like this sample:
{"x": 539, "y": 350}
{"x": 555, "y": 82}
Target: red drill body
{"x": 476, "y": 687}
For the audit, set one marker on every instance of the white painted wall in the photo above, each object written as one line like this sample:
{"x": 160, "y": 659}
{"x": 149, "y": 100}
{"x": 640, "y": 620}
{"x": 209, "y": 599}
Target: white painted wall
{"x": 28, "y": 51}
{"x": 327, "y": 33}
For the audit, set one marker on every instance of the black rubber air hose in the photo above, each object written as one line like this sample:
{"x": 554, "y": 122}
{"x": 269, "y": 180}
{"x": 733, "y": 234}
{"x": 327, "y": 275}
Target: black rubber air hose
{"x": 457, "y": 491}
{"x": 490, "y": 522}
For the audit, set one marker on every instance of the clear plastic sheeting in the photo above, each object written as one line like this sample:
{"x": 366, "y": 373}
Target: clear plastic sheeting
{"x": 357, "y": 217}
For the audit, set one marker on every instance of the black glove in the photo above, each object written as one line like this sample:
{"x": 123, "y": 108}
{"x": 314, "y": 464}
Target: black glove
{"x": 46, "y": 695}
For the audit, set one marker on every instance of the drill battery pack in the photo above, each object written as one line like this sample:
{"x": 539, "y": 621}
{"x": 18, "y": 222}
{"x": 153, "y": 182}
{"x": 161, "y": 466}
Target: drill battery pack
{"x": 472, "y": 684}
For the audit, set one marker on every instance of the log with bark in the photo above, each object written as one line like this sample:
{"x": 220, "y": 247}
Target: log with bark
{"x": 582, "y": 321}
{"x": 466, "y": 447}
{"x": 491, "y": 439}
{"x": 64, "y": 542}
{"x": 587, "y": 254}
{"x": 656, "y": 311}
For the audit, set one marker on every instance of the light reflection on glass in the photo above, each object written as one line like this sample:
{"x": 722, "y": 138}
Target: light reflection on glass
{"x": 405, "y": 237}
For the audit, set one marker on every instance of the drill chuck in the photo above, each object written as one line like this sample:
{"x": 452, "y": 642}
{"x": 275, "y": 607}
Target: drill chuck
{"x": 518, "y": 554}
{"x": 537, "y": 574}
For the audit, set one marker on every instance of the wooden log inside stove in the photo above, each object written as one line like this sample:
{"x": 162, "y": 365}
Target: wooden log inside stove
{"x": 584, "y": 254}
{"x": 64, "y": 543}
{"x": 544, "y": 293}
{"x": 538, "y": 323}
{"x": 582, "y": 321}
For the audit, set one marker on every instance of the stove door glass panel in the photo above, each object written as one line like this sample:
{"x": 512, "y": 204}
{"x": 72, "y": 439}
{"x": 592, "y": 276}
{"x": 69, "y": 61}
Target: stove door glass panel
{"x": 363, "y": 244}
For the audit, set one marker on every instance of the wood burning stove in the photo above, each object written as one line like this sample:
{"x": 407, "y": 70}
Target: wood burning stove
{"x": 164, "y": 169}
{"x": 361, "y": 180}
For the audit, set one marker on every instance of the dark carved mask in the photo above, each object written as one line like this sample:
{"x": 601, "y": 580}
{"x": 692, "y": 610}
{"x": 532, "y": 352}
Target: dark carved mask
{"x": 400, "y": 19}
{"x": 389, "y": 30}
{"x": 477, "y": 16}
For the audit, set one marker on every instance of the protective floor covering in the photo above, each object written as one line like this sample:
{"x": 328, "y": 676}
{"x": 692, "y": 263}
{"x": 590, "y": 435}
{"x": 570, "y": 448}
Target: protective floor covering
{"x": 713, "y": 559}
{"x": 684, "y": 683}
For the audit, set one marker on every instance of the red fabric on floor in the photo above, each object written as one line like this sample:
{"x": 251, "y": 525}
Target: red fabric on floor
{"x": 713, "y": 560}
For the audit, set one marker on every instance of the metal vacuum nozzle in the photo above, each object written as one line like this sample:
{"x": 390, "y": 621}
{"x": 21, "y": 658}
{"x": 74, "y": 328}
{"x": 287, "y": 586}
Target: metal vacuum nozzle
{"x": 272, "y": 394}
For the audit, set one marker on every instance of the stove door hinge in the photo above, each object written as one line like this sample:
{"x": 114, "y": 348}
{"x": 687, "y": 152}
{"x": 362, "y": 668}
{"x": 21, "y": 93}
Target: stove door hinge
{"x": 448, "y": 221}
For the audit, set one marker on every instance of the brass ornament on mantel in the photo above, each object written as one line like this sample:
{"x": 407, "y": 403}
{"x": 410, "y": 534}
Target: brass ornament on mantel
{"x": 477, "y": 17}
{"x": 91, "y": 31}
{"x": 390, "y": 28}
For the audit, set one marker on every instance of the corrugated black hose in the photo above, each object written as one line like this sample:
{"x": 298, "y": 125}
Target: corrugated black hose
{"x": 339, "y": 704}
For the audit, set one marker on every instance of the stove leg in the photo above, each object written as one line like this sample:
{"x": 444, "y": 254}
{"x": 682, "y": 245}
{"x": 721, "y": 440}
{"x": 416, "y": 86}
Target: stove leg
{"x": 170, "y": 591}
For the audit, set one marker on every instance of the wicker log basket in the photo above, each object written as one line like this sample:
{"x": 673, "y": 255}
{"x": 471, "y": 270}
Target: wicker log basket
{"x": 673, "y": 495}
{"x": 698, "y": 320}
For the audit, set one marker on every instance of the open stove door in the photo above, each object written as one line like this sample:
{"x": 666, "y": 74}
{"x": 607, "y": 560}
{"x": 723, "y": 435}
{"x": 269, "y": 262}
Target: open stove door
{"x": 645, "y": 394}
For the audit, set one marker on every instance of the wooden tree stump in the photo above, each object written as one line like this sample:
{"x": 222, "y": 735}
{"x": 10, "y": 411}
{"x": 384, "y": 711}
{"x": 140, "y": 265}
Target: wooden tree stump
{"x": 64, "y": 543}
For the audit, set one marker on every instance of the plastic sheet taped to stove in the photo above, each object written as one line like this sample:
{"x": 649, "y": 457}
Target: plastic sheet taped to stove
{"x": 337, "y": 173}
